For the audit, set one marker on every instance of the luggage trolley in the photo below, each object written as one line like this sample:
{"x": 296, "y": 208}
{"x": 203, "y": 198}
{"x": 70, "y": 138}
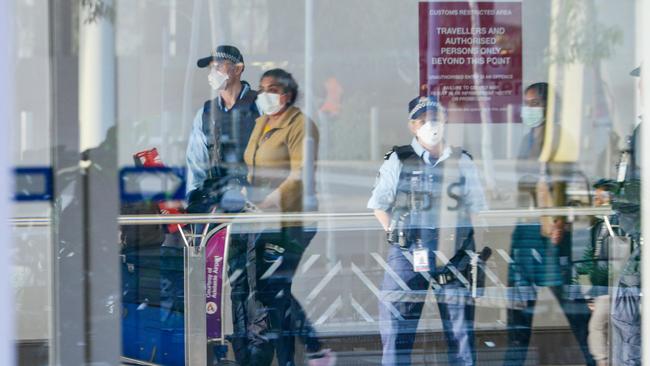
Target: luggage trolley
{"x": 205, "y": 280}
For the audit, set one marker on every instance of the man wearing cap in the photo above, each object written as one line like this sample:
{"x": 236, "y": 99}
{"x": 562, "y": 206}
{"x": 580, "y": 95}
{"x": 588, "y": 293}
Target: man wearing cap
{"x": 424, "y": 197}
{"x": 223, "y": 125}
{"x": 220, "y": 132}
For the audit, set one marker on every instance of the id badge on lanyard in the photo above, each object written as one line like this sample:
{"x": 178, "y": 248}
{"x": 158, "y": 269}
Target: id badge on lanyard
{"x": 421, "y": 259}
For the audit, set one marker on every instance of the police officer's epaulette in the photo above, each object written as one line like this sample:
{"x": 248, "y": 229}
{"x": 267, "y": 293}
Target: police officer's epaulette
{"x": 389, "y": 153}
{"x": 403, "y": 152}
{"x": 457, "y": 152}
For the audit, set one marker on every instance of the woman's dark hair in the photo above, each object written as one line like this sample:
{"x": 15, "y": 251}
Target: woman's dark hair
{"x": 287, "y": 82}
{"x": 541, "y": 89}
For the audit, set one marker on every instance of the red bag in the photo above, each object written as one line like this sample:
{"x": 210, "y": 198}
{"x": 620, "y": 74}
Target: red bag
{"x": 151, "y": 158}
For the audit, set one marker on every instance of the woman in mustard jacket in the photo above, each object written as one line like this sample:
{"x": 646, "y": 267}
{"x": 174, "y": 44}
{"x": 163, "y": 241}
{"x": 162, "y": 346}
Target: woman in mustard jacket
{"x": 277, "y": 163}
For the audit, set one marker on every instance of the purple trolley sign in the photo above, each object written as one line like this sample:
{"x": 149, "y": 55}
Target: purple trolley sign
{"x": 216, "y": 250}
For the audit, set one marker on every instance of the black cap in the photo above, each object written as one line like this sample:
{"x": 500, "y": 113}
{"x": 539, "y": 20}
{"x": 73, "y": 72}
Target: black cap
{"x": 223, "y": 52}
{"x": 606, "y": 184}
{"x": 636, "y": 72}
{"x": 420, "y": 105}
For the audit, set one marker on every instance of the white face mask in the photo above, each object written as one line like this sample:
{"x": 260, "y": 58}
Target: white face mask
{"x": 532, "y": 116}
{"x": 430, "y": 134}
{"x": 269, "y": 103}
{"x": 217, "y": 79}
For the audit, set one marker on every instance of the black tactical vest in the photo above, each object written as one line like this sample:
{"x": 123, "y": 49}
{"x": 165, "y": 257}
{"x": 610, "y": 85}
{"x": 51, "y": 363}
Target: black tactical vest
{"x": 227, "y": 133}
{"x": 432, "y": 198}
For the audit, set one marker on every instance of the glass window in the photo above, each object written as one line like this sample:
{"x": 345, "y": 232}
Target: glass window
{"x": 414, "y": 182}
{"x": 31, "y": 250}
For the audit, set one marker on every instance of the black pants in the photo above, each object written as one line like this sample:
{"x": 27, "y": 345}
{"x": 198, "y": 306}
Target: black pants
{"x": 520, "y": 327}
{"x": 239, "y": 296}
{"x": 276, "y": 317}
{"x": 266, "y": 317}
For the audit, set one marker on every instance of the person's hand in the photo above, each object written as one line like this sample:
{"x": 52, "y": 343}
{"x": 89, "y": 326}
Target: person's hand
{"x": 557, "y": 232}
{"x": 250, "y": 207}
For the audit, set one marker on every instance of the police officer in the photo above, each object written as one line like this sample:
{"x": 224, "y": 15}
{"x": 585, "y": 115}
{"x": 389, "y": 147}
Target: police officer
{"x": 222, "y": 126}
{"x": 424, "y": 197}
{"x": 626, "y": 202}
{"x": 216, "y": 169}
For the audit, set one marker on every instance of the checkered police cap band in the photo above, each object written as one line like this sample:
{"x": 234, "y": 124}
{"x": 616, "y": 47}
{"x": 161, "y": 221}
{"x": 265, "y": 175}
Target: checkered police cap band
{"x": 223, "y": 52}
{"x": 427, "y": 104}
{"x": 226, "y": 56}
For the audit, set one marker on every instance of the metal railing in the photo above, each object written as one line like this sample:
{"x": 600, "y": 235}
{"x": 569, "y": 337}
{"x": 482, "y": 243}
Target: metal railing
{"x": 194, "y": 255}
{"x": 351, "y": 218}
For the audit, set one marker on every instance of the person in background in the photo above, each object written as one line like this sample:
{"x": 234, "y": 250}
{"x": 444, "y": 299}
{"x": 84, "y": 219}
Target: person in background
{"x": 216, "y": 171}
{"x": 626, "y": 202}
{"x": 541, "y": 248}
{"x": 415, "y": 225}
{"x": 280, "y": 157}
{"x": 595, "y": 264}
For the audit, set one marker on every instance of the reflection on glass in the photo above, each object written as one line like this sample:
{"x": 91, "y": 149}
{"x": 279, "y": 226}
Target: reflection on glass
{"x": 626, "y": 304}
{"x": 276, "y": 159}
{"x": 541, "y": 249}
{"x": 552, "y": 278}
{"x": 424, "y": 194}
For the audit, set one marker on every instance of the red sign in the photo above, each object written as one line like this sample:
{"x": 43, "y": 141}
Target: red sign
{"x": 151, "y": 158}
{"x": 470, "y": 58}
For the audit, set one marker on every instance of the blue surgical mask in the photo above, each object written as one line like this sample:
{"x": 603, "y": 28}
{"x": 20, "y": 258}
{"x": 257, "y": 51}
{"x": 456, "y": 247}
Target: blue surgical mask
{"x": 532, "y": 117}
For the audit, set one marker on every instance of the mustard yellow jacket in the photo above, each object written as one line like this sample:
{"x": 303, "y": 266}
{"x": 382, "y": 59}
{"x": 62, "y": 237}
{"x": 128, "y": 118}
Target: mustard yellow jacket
{"x": 275, "y": 159}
